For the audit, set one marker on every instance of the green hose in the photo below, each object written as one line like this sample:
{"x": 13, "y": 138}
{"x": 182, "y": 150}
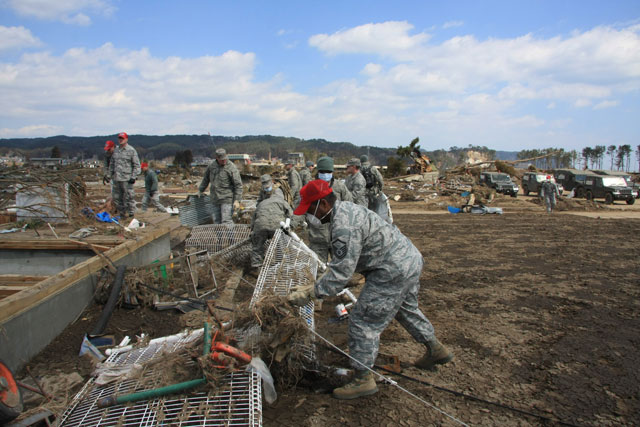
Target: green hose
{"x": 149, "y": 394}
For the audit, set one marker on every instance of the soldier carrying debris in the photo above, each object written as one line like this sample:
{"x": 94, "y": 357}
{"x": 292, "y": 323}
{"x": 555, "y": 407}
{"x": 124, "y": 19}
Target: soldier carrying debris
{"x": 226, "y": 187}
{"x": 549, "y": 192}
{"x": 362, "y": 242}
{"x": 305, "y": 173}
{"x": 319, "y": 239}
{"x": 356, "y": 184}
{"x": 151, "y": 189}
{"x": 123, "y": 170}
{"x": 266, "y": 220}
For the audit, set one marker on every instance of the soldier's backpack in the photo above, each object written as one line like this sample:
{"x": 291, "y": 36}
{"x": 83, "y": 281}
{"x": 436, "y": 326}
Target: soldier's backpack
{"x": 369, "y": 176}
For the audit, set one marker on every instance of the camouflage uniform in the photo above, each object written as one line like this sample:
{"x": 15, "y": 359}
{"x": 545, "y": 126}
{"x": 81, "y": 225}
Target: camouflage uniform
{"x": 373, "y": 192}
{"x": 319, "y": 237}
{"x": 305, "y": 176}
{"x": 263, "y": 195}
{"x": 226, "y": 188}
{"x": 357, "y": 187}
{"x": 549, "y": 192}
{"x": 295, "y": 183}
{"x": 266, "y": 220}
{"x": 362, "y": 242}
{"x": 124, "y": 166}
{"x": 151, "y": 191}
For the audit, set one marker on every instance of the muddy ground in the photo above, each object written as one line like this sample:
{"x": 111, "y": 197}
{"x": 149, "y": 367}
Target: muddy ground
{"x": 541, "y": 311}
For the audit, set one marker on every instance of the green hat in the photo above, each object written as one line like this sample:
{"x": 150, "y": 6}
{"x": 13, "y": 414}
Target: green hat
{"x": 364, "y": 158}
{"x": 325, "y": 164}
{"x": 309, "y": 163}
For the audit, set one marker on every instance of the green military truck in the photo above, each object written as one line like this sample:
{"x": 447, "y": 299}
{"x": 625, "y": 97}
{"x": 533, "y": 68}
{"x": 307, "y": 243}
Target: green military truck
{"x": 532, "y": 181}
{"x": 501, "y": 182}
{"x": 589, "y": 185}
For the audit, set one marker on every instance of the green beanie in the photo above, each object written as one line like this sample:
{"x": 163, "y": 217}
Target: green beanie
{"x": 364, "y": 158}
{"x": 325, "y": 164}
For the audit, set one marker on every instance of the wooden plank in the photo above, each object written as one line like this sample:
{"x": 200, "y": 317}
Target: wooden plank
{"x": 9, "y": 279}
{"x": 58, "y": 244}
{"x": 16, "y": 303}
{"x": 227, "y": 295}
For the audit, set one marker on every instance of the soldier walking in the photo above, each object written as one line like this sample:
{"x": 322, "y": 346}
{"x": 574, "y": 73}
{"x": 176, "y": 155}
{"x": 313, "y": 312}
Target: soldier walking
{"x": 356, "y": 184}
{"x": 319, "y": 239}
{"x": 151, "y": 189}
{"x": 305, "y": 173}
{"x": 123, "y": 170}
{"x": 363, "y": 242}
{"x": 226, "y": 187}
{"x": 295, "y": 182}
{"x": 549, "y": 192}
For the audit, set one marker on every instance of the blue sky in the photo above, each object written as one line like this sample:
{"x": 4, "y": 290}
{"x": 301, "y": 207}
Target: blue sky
{"x": 508, "y": 75}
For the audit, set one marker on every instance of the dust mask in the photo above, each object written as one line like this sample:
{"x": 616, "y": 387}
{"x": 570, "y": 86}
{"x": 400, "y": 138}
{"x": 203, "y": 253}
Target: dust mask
{"x": 325, "y": 176}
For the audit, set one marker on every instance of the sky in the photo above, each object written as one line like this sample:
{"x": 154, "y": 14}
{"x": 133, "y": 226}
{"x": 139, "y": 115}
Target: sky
{"x": 509, "y": 75}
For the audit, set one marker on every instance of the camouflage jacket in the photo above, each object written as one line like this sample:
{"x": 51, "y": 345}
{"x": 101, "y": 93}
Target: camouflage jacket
{"x": 125, "y": 164}
{"x": 357, "y": 186}
{"x": 548, "y": 188}
{"x": 321, "y": 234}
{"x": 377, "y": 187}
{"x": 226, "y": 184}
{"x": 305, "y": 176}
{"x": 264, "y": 195}
{"x": 270, "y": 212}
{"x": 150, "y": 181}
{"x": 363, "y": 242}
{"x": 295, "y": 183}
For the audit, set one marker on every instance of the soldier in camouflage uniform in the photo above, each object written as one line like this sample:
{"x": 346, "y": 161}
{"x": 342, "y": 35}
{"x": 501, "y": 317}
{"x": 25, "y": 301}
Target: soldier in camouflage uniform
{"x": 151, "y": 189}
{"x": 305, "y": 173}
{"x": 295, "y": 183}
{"x": 362, "y": 242}
{"x": 226, "y": 187}
{"x": 123, "y": 170}
{"x": 266, "y": 220}
{"x": 319, "y": 239}
{"x": 549, "y": 192}
{"x": 373, "y": 191}
{"x": 267, "y": 188}
{"x": 356, "y": 184}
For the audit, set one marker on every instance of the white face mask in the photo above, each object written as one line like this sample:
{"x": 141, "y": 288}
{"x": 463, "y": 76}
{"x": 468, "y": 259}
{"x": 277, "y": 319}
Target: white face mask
{"x": 313, "y": 220}
{"x": 268, "y": 189}
{"x": 325, "y": 176}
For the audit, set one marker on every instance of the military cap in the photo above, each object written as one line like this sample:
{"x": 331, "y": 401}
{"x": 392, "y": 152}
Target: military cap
{"x": 325, "y": 164}
{"x": 221, "y": 153}
{"x": 354, "y": 162}
{"x": 309, "y": 163}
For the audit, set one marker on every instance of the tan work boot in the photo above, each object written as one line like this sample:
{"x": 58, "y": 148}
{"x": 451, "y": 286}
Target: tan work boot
{"x": 436, "y": 354}
{"x": 362, "y": 385}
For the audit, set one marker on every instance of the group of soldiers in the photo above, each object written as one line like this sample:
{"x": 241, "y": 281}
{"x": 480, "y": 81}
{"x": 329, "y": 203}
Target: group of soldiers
{"x": 122, "y": 167}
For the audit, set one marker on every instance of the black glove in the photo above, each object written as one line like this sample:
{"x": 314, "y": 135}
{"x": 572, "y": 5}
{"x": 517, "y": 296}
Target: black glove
{"x": 132, "y": 181}
{"x": 105, "y": 180}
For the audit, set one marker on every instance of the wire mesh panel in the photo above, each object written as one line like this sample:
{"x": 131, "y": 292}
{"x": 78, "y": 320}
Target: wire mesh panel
{"x": 238, "y": 403}
{"x": 198, "y": 210}
{"x": 216, "y": 237}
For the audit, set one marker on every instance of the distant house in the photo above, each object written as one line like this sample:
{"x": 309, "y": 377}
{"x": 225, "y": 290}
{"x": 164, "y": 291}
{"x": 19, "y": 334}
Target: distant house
{"x": 296, "y": 158}
{"x": 243, "y": 159}
{"x": 47, "y": 161}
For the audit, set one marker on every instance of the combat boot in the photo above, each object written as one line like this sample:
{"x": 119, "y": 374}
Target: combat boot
{"x": 362, "y": 385}
{"x": 436, "y": 354}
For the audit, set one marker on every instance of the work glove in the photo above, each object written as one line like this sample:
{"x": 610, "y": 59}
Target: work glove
{"x": 132, "y": 181}
{"x": 200, "y": 194}
{"x": 300, "y": 295}
{"x": 236, "y": 205}
{"x": 105, "y": 180}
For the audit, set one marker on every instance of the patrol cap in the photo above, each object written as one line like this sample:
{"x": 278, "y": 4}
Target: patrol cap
{"x": 109, "y": 145}
{"x": 325, "y": 164}
{"x": 315, "y": 190}
{"x": 288, "y": 162}
{"x": 354, "y": 162}
{"x": 364, "y": 158}
{"x": 265, "y": 180}
{"x": 309, "y": 163}
{"x": 221, "y": 153}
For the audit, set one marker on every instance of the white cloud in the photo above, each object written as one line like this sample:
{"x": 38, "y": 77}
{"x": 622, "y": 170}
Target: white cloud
{"x": 17, "y": 38}
{"x": 582, "y": 102}
{"x": 31, "y": 130}
{"x": 605, "y": 104}
{"x": 452, "y": 24}
{"x": 67, "y": 11}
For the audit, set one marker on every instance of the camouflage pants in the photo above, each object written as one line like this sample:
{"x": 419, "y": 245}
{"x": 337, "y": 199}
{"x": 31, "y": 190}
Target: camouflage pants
{"x": 222, "y": 213}
{"x": 378, "y": 304}
{"x": 258, "y": 238}
{"x": 155, "y": 200}
{"x": 550, "y": 201}
{"x": 124, "y": 197}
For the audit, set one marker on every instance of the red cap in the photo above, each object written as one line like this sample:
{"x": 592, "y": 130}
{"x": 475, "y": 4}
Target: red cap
{"x": 315, "y": 190}
{"x": 144, "y": 165}
{"x": 123, "y": 135}
{"x": 109, "y": 145}
{"x": 549, "y": 177}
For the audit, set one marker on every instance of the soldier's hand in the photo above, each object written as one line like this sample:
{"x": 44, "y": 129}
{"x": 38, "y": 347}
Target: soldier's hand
{"x": 105, "y": 180}
{"x": 300, "y": 295}
{"x": 132, "y": 181}
{"x": 236, "y": 205}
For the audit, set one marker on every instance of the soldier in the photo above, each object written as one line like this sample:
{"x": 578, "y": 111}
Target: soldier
{"x": 268, "y": 188}
{"x": 373, "y": 179}
{"x": 151, "y": 189}
{"x": 109, "y": 146}
{"x": 363, "y": 242}
{"x": 305, "y": 173}
{"x": 266, "y": 220}
{"x": 226, "y": 187}
{"x": 356, "y": 184}
{"x": 549, "y": 192}
{"x": 319, "y": 239}
{"x": 123, "y": 170}
{"x": 295, "y": 183}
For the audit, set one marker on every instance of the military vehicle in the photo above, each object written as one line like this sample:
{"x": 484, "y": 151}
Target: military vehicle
{"x": 499, "y": 181}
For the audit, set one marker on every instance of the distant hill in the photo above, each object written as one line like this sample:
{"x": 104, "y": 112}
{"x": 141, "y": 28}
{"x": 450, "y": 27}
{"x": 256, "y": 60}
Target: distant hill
{"x": 159, "y": 147}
